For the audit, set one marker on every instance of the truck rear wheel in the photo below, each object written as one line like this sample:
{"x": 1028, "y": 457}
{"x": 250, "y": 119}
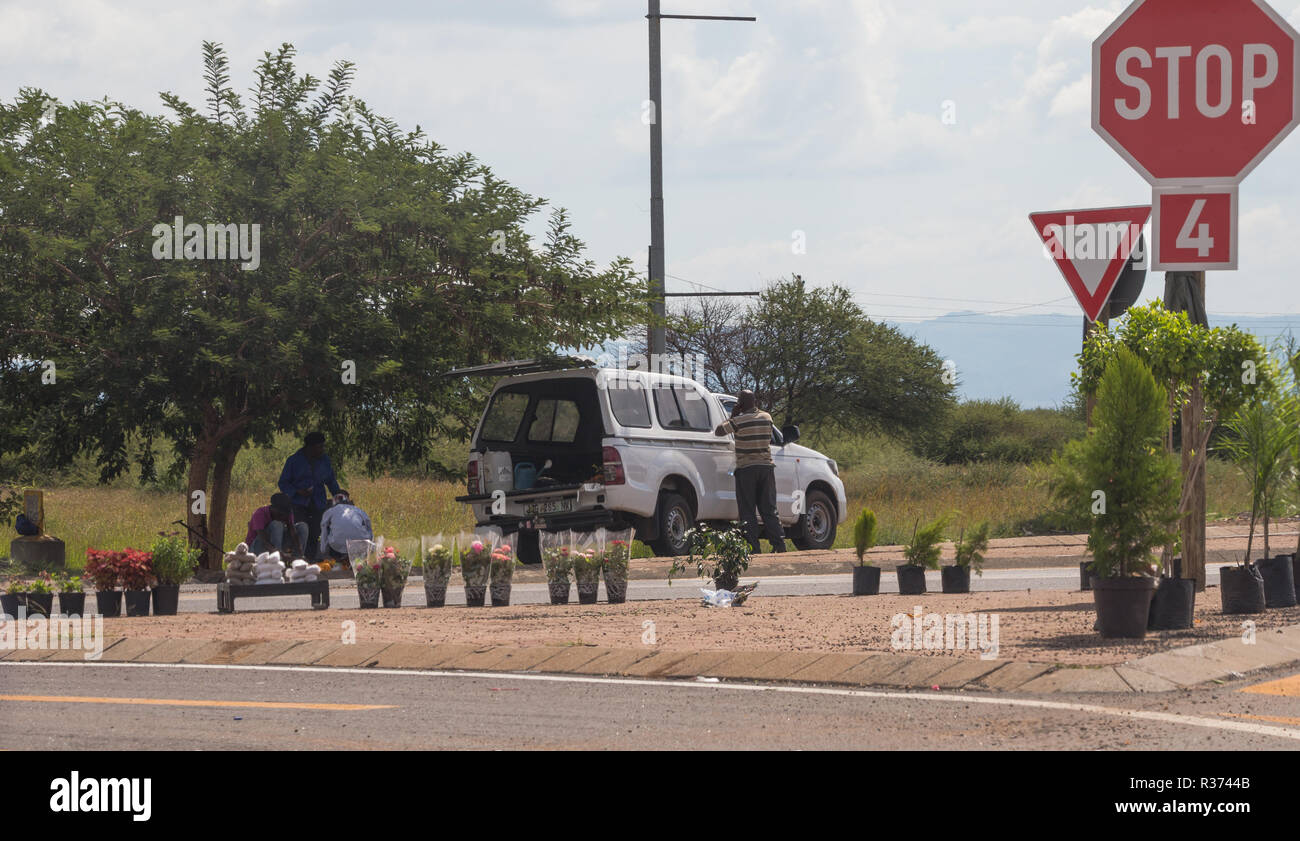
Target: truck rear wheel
{"x": 816, "y": 529}
{"x": 675, "y": 518}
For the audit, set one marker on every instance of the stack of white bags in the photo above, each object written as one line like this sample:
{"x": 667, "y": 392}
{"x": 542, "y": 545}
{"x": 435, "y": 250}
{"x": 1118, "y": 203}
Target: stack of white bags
{"x": 302, "y": 571}
{"x": 239, "y": 565}
{"x": 269, "y": 569}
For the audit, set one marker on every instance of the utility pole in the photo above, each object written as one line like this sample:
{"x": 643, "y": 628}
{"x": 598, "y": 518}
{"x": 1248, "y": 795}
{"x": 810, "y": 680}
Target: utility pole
{"x": 656, "y": 338}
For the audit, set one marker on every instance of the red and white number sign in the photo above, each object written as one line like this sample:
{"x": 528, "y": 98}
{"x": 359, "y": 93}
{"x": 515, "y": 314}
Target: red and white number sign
{"x": 1195, "y": 228}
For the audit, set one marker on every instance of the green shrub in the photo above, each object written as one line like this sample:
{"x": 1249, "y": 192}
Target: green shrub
{"x": 173, "y": 560}
{"x": 864, "y": 534}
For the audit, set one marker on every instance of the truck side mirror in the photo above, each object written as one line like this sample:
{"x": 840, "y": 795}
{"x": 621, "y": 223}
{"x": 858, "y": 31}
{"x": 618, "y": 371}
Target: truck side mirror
{"x": 790, "y": 434}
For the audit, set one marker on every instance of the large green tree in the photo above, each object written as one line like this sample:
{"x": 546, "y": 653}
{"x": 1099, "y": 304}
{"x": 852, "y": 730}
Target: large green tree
{"x": 384, "y": 261}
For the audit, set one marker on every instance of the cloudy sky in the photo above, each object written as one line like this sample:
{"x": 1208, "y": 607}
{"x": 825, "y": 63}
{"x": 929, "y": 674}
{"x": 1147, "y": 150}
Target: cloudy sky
{"x": 824, "y": 118}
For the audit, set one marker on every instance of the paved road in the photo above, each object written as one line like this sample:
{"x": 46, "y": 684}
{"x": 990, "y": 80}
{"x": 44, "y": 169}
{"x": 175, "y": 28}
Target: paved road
{"x": 108, "y": 706}
{"x": 343, "y": 593}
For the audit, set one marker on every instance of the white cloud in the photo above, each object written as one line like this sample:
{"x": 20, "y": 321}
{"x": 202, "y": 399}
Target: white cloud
{"x": 1073, "y": 99}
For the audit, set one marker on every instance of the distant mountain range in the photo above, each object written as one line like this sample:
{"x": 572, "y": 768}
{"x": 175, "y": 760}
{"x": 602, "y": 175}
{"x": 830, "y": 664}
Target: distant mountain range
{"x": 1030, "y": 357}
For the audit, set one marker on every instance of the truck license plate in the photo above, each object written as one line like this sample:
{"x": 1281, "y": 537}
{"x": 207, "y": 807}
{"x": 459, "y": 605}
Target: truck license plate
{"x": 550, "y": 506}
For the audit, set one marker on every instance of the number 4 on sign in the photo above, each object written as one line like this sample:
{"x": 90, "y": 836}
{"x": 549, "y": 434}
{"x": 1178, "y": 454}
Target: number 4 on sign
{"x": 1195, "y": 228}
{"x": 1202, "y": 242}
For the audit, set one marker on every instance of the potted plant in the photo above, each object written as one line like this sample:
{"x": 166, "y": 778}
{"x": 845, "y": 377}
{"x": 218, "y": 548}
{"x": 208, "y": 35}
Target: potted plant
{"x": 174, "y": 562}
{"x": 969, "y": 556}
{"x": 502, "y": 573}
{"x": 558, "y": 563}
{"x": 718, "y": 554}
{"x": 920, "y": 553}
{"x": 866, "y": 575}
{"x": 1123, "y": 457}
{"x": 40, "y": 596}
{"x": 14, "y": 597}
{"x": 365, "y": 570}
{"x": 393, "y": 571}
{"x": 104, "y": 569}
{"x": 618, "y": 554}
{"x": 586, "y": 560}
{"x": 1174, "y": 604}
{"x": 475, "y": 568}
{"x": 136, "y": 573}
{"x": 72, "y": 597}
{"x": 1259, "y": 439}
{"x": 438, "y": 559}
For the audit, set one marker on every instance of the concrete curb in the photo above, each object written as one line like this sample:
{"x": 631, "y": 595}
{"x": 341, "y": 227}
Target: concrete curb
{"x": 1204, "y": 665}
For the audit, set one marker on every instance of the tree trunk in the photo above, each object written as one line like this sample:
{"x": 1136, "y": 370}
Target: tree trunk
{"x": 1192, "y": 525}
{"x": 222, "y": 465}
{"x": 200, "y": 465}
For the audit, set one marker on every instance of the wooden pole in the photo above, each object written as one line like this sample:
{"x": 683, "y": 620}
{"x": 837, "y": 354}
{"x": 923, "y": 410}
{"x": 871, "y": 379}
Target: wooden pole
{"x": 1191, "y": 527}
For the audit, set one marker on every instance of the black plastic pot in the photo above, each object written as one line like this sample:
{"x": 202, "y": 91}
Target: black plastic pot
{"x": 1242, "y": 589}
{"x": 1085, "y": 575}
{"x": 435, "y": 595}
{"x": 166, "y": 599}
{"x": 108, "y": 602}
{"x": 500, "y": 594}
{"x": 866, "y": 581}
{"x": 1173, "y": 605}
{"x": 475, "y": 596}
{"x": 9, "y": 604}
{"x": 726, "y": 582}
{"x": 1123, "y": 606}
{"x": 956, "y": 579}
{"x": 392, "y": 596}
{"x": 911, "y": 580}
{"x": 72, "y": 604}
{"x": 559, "y": 591}
{"x": 368, "y": 597}
{"x": 587, "y": 593}
{"x": 1279, "y": 581}
{"x": 40, "y": 604}
{"x": 137, "y": 602}
{"x": 616, "y": 591}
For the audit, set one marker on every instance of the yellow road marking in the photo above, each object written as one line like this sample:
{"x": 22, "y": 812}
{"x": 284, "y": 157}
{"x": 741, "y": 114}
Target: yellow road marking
{"x": 1277, "y": 718}
{"x": 190, "y": 702}
{"x": 1288, "y": 687}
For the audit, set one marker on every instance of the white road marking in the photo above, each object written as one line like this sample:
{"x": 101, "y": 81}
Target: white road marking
{"x": 935, "y": 697}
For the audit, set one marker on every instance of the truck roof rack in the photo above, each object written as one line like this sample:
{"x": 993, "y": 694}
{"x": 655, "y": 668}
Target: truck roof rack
{"x": 524, "y": 366}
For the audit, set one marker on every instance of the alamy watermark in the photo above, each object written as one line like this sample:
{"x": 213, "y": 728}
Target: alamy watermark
{"x": 59, "y": 633}
{"x": 181, "y": 241}
{"x": 946, "y": 632}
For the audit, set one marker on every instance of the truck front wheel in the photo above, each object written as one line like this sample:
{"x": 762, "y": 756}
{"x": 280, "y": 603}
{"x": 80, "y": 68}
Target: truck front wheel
{"x": 675, "y": 519}
{"x": 816, "y": 529}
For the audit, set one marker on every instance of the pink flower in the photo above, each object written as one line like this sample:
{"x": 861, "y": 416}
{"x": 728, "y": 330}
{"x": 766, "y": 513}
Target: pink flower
{"x": 477, "y": 546}
{"x": 505, "y": 547}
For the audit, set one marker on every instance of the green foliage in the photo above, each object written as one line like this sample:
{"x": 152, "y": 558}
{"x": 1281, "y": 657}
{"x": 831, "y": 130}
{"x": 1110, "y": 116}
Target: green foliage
{"x": 1261, "y": 439}
{"x": 1123, "y": 457}
{"x": 924, "y": 549}
{"x": 864, "y": 534}
{"x": 1000, "y": 431}
{"x": 970, "y": 550}
{"x": 67, "y": 583}
{"x": 174, "y": 562}
{"x": 713, "y": 553}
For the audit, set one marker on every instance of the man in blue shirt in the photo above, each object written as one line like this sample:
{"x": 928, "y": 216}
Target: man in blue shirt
{"x": 306, "y": 475}
{"x": 342, "y": 524}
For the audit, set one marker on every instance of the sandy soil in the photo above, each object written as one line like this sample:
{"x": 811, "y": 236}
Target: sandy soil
{"x": 1044, "y": 626}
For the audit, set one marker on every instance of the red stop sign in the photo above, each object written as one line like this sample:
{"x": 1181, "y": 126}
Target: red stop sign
{"x": 1196, "y": 91}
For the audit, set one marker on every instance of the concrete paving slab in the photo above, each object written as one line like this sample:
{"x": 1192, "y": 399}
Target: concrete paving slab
{"x": 523, "y": 658}
{"x": 654, "y": 665}
{"x": 129, "y": 649}
{"x": 17, "y": 655}
{"x": 966, "y": 671}
{"x": 740, "y": 665}
{"x": 787, "y": 664}
{"x": 1078, "y": 680}
{"x": 1240, "y": 657}
{"x": 1012, "y": 676}
{"x": 305, "y": 653}
{"x": 829, "y": 666}
{"x": 696, "y": 664}
{"x": 260, "y": 653}
{"x": 873, "y": 670}
{"x": 356, "y": 654}
{"x": 216, "y": 652}
{"x": 416, "y": 656}
{"x": 483, "y": 657}
{"x": 920, "y": 672}
{"x": 571, "y": 658}
{"x": 1144, "y": 681}
{"x": 615, "y": 662}
{"x": 1182, "y": 669}
{"x": 74, "y": 655}
{"x": 170, "y": 651}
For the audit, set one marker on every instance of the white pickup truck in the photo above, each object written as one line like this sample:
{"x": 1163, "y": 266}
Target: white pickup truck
{"x": 586, "y": 446}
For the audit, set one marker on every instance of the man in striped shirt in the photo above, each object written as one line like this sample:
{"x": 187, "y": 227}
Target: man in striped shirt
{"x": 755, "y": 473}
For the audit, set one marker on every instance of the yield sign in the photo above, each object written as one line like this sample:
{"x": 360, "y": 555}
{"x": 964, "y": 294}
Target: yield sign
{"x": 1090, "y": 248}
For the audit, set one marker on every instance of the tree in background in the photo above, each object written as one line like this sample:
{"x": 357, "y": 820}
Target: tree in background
{"x": 384, "y": 261}
{"x": 813, "y": 356}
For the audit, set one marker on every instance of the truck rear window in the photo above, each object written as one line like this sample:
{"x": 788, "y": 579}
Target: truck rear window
{"x": 501, "y": 422}
{"x": 627, "y": 402}
{"x": 554, "y": 421}
{"x": 681, "y": 408}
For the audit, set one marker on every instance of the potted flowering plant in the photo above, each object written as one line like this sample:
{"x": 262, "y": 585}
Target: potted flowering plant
{"x": 137, "y": 574}
{"x": 503, "y": 572}
{"x": 587, "y": 561}
{"x": 72, "y": 598}
{"x": 366, "y": 570}
{"x": 720, "y": 555}
{"x": 439, "y": 557}
{"x": 393, "y": 570}
{"x": 618, "y": 552}
{"x": 104, "y": 569}
{"x": 40, "y": 595}
{"x": 15, "y": 596}
{"x": 475, "y": 568}
{"x": 558, "y": 564}
{"x": 173, "y": 564}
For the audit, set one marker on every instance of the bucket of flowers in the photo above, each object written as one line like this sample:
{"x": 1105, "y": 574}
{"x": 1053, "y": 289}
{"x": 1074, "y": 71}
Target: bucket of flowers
{"x": 393, "y": 570}
{"x": 103, "y": 568}
{"x": 557, "y": 563}
{"x": 438, "y": 556}
{"x": 136, "y": 573}
{"x": 618, "y": 551}
{"x": 587, "y": 561}
{"x": 366, "y": 567}
{"x": 503, "y": 572}
{"x": 476, "y": 566}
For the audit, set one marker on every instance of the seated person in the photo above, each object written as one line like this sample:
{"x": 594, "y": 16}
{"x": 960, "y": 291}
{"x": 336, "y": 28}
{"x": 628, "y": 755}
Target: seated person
{"x": 273, "y": 529}
{"x": 343, "y": 521}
